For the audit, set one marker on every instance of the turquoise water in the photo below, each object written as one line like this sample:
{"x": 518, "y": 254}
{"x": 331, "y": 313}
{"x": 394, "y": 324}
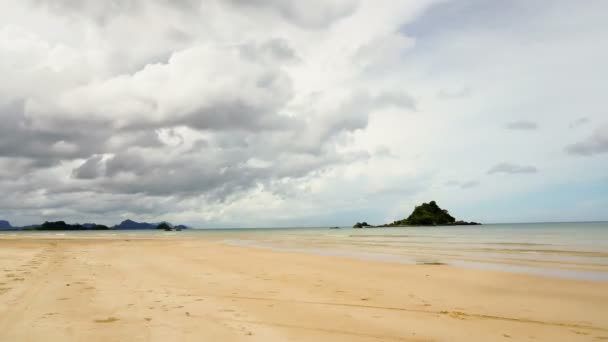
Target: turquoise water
{"x": 571, "y": 250}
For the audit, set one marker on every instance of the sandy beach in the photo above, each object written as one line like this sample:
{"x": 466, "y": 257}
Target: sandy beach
{"x": 117, "y": 289}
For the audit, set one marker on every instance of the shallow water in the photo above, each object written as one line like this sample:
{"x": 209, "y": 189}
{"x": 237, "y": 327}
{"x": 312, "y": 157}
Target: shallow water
{"x": 571, "y": 250}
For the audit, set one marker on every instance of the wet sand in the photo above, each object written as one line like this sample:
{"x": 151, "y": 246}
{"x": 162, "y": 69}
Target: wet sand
{"x": 117, "y": 289}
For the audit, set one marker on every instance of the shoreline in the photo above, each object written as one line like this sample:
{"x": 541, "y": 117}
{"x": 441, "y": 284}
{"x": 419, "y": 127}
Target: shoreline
{"x": 596, "y": 274}
{"x": 543, "y": 259}
{"x": 150, "y": 289}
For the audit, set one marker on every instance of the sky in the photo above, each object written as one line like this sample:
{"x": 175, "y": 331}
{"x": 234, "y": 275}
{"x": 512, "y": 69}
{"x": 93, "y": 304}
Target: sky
{"x": 268, "y": 113}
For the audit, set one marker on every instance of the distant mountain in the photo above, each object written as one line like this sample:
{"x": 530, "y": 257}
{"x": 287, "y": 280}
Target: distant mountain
{"x": 61, "y": 225}
{"x": 132, "y": 225}
{"x": 5, "y": 225}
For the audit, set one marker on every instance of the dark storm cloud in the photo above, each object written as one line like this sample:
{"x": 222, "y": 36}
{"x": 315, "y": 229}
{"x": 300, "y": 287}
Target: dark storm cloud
{"x": 19, "y": 139}
{"x": 522, "y": 125}
{"x": 595, "y": 144}
{"x": 236, "y": 115}
{"x": 509, "y": 168}
{"x": 61, "y": 139}
{"x": 248, "y": 140}
{"x": 213, "y": 171}
{"x": 150, "y": 110}
{"x": 90, "y": 169}
{"x": 254, "y": 90}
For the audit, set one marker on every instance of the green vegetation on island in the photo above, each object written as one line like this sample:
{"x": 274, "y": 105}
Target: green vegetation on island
{"x": 426, "y": 214}
{"x": 61, "y": 225}
{"x": 124, "y": 225}
{"x": 164, "y": 226}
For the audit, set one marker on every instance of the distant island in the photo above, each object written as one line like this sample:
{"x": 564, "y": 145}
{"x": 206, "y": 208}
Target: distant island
{"x": 124, "y": 225}
{"x": 426, "y": 214}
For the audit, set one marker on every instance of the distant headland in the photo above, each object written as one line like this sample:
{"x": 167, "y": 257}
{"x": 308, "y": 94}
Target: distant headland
{"x": 426, "y": 214}
{"x": 124, "y": 225}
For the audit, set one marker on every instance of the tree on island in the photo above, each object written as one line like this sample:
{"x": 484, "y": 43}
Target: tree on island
{"x": 426, "y": 214}
{"x": 164, "y": 226}
{"x": 361, "y": 225}
{"x": 61, "y": 225}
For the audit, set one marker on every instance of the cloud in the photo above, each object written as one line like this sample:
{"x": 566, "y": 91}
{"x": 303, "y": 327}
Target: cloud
{"x": 463, "y": 185}
{"x": 595, "y": 144}
{"x": 522, "y": 125}
{"x": 272, "y": 112}
{"x": 102, "y": 12}
{"x": 509, "y": 168}
{"x": 90, "y": 169}
{"x": 579, "y": 122}
{"x": 455, "y": 94}
{"x": 312, "y": 14}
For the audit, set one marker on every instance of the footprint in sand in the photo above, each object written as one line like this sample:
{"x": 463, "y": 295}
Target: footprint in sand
{"x": 107, "y": 320}
{"x": 457, "y": 315}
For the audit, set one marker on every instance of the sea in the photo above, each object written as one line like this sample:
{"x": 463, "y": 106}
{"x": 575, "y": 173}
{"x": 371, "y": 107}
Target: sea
{"x": 564, "y": 250}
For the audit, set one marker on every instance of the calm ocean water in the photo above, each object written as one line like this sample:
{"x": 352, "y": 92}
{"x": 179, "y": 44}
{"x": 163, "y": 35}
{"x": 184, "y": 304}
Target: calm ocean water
{"x": 572, "y": 250}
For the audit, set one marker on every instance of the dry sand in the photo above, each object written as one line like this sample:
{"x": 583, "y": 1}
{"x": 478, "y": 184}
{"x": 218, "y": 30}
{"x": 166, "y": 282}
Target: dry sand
{"x": 200, "y": 290}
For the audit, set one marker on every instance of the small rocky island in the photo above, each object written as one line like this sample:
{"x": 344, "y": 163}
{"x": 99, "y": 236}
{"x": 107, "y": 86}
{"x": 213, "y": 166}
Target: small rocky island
{"x": 426, "y": 214}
